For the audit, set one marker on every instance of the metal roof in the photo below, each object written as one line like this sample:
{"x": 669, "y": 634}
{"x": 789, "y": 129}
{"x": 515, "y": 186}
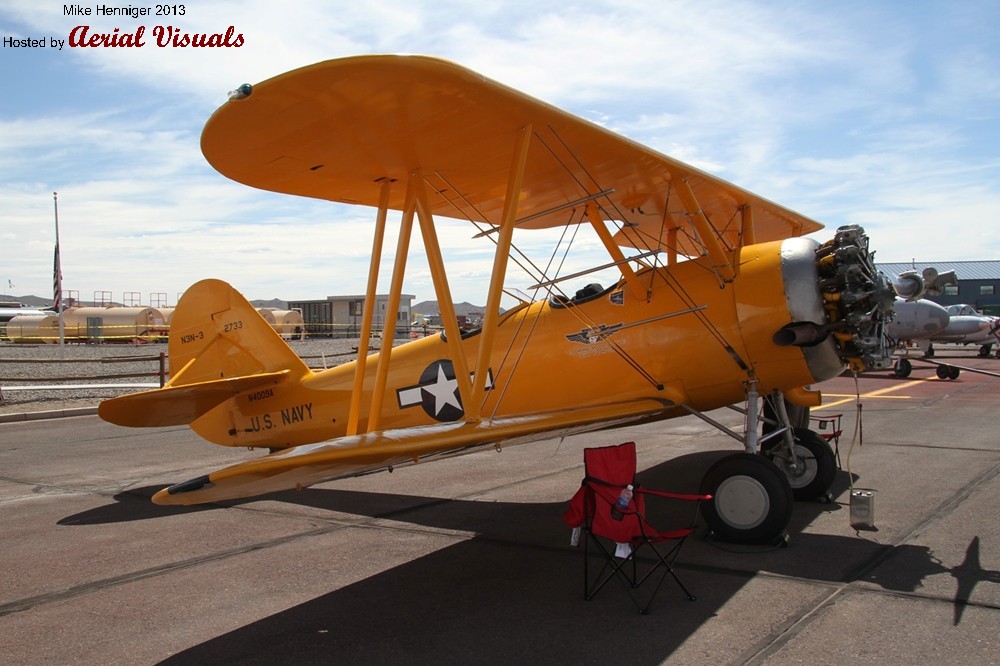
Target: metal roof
{"x": 965, "y": 270}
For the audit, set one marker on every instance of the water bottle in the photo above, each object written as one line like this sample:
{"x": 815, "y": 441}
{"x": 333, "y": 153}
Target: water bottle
{"x": 620, "y": 506}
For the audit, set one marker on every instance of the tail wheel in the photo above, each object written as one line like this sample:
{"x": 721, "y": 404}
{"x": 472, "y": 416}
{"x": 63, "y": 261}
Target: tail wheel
{"x": 751, "y": 499}
{"x": 815, "y": 465}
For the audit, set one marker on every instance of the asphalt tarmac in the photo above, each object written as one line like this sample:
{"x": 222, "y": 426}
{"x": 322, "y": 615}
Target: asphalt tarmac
{"x": 467, "y": 560}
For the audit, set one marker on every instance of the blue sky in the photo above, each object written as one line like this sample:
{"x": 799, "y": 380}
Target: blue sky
{"x": 883, "y": 114}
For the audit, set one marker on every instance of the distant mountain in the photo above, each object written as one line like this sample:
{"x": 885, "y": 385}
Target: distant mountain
{"x": 461, "y": 309}
{"x": 274, "y": 303}
{"x": 27, "y": 301}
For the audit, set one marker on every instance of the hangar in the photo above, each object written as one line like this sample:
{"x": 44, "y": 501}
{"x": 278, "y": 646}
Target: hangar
{"x": 978, "y": 282}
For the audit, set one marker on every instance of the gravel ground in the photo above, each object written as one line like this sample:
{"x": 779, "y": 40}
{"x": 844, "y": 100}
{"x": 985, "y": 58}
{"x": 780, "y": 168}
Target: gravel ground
{"x": 53, "y": 366}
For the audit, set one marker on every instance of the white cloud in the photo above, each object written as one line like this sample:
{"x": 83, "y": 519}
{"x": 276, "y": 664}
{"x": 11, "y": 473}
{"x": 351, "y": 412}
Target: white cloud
{"x": 855, "y": 112}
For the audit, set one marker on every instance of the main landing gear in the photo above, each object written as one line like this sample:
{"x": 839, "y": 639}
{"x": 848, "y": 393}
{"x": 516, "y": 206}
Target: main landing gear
{"x": 753, "y": 492}
{"x": 751, "y": 499}
{"x": 903, "y": 368}
{"x": 984, "y": 351}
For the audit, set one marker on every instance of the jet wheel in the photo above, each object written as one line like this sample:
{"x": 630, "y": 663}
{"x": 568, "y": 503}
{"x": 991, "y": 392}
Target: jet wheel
{"x": 751, "y": 499}
{"x": 903, "y": 368}
{"x": 947, "y": 372}
{"x": 815, "y": 464}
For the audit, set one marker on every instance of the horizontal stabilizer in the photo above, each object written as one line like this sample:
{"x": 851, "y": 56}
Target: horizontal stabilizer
{"x": 308, "y": 464}
{"x": 179, "y": 405}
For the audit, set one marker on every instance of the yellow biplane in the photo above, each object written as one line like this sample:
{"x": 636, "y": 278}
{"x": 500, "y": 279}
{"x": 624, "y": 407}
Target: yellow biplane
{"x": 721, "y": 301}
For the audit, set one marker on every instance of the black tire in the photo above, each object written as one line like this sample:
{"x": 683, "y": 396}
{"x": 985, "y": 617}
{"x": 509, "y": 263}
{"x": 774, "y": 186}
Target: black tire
{"x": 941, "y": 371}
{"x": 751, "y": 499}
{"x": 816, "y": 469}
{"x": 953, "y": 372}
{"x": 930, "y": 351}
{"x": 984, "y": 351}
{"x": 903, "y": 368}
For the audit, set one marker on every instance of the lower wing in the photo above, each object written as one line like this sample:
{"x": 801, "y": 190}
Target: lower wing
{"x": 308, "y": 464}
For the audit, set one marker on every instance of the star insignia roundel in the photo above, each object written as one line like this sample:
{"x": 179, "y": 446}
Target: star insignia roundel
{"x": 437, "y": 392}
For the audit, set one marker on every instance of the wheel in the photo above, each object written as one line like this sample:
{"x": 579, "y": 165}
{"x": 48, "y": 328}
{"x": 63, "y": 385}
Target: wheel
{"x": 751, "y": 499}
{"x": 816, "y": 466}
{"x": 953, "y": 372}
{"x": 903, "y": 367}
{"x": 942, "y": 372}
{"x": 984, "y": 351}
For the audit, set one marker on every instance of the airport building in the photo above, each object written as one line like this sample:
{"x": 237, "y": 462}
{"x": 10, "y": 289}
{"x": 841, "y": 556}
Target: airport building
{"x": 340, "y": 316}
{"x": 978, "y": 282}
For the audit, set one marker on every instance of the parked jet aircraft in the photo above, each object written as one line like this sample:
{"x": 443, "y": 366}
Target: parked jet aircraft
{"x": 924, "y": 322}
{"x": 6, "y": 314}
{"x": 966, "y": 326}
{"x": 755, "y": 310}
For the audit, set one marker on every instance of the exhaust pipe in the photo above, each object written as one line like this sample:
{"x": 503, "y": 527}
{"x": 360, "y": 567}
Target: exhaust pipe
{"x": 802, "y": 334}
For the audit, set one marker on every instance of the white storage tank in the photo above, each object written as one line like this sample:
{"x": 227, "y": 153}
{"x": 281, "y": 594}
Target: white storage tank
{"x": 34, "y": 328}
{"x": 110, "y": 324}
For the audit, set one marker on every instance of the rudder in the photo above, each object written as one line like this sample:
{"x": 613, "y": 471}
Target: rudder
{"x": 217, "y": 334}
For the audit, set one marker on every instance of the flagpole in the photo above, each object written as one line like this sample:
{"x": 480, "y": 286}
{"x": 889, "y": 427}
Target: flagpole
{"x": 57, "y": 276}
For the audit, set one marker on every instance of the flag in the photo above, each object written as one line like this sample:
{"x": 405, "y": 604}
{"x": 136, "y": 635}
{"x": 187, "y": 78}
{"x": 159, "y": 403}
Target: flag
{"x": 56, "y": 282}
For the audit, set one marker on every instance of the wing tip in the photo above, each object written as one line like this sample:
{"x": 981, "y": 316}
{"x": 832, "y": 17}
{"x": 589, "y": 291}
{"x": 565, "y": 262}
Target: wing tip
{"x": 168, "y": 495}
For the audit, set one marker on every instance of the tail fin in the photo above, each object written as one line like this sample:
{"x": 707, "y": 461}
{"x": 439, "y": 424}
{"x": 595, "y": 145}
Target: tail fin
{"x": 216, "y": 334}
{"x": 219, "y": 346}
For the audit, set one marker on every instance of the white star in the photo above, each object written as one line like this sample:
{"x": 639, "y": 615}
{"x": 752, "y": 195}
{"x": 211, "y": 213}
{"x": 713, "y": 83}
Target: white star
{"x": 443, "y": 390}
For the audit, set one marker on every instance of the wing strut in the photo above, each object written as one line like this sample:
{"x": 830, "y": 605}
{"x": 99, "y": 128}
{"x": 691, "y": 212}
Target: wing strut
{"x": 473, "y": 408}
{"x": 391, "y": 308}
{"x": 716, "y": 252}
{"x": 368, "y": 314}
{"x": 446, "y": 306}
{"x": 616, "y": 254}
{"x": 747, "y": 234}
{"x": 672, "y": 246}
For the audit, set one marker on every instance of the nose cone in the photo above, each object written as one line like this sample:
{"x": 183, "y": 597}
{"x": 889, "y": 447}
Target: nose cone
{"x": 967, "y": 325}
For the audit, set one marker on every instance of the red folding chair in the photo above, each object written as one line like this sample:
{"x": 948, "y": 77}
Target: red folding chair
{"x": 828, "y": 427}
{"x": 593, "y": 509}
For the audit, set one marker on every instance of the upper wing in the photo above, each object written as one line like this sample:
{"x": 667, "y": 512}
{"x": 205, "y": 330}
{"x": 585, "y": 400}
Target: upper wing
{"x": 335, "y": 130}
{"x": 347, "y": 456}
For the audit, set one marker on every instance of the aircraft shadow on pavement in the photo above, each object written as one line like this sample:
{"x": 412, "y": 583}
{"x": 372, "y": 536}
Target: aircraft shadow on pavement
{"x": 515, "y": 589}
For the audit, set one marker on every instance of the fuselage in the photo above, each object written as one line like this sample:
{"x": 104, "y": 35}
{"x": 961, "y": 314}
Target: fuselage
{"x": 692, "y": 339}
{"x": 917, "y": 320}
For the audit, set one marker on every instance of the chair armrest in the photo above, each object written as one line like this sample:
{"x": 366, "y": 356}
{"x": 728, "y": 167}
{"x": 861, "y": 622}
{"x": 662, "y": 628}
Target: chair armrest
{"x": 688, "y": 497}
